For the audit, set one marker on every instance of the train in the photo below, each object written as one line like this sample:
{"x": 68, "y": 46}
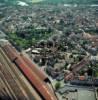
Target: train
{"x": 40, "y": 74}
{"x": 14, "y": 54}
{"x": 35, "y": 77}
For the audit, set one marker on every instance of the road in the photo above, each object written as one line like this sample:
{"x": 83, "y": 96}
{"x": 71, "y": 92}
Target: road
{"x": 82, "y": 93}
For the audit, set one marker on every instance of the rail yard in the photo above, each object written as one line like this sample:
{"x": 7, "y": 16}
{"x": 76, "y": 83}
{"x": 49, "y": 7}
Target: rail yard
{"x": 20, "y": 79}
{"x": 49, "y": 50}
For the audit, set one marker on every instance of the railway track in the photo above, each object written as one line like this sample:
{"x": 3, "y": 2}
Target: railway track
{"x": 28, "y": 89}
{"x": 11, "y": 81}
{"x": 32, "y": 76}
{"x": 12, "y": 95}
{"x": 4, "y": 89}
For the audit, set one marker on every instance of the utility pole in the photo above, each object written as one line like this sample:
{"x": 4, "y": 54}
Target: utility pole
{"x": 93, "y": 86}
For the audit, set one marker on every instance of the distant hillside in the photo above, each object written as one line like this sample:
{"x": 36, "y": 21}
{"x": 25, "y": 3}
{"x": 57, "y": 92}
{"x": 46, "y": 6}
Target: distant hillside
{"x": 51, "y": 1}
{"x": 72, "y": 1}
{"x": 13, "y": 2}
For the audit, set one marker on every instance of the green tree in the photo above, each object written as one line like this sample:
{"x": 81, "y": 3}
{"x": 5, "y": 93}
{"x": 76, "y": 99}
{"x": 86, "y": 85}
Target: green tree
{"x": 57, "y": 85}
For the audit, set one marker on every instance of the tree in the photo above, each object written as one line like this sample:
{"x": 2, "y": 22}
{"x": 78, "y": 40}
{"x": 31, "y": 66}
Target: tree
{"x": 65, "y": 66}
{"x": 57, "y": 85}
{"x": 71, "y": 56}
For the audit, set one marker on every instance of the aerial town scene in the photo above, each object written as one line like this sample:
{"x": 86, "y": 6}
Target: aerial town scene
{"x": 49, "y": 50}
